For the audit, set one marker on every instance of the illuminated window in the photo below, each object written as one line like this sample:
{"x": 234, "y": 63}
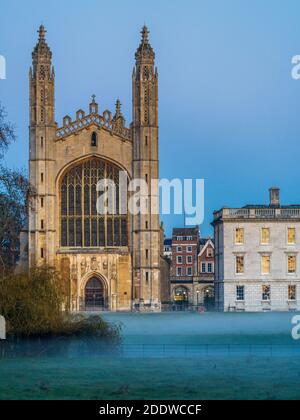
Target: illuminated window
{"x": 265, "y": 264}
{"x": 291, "y": 264}
{"x": 239, "y": 236}
{"x": 266, "y": 292}
{"x": 81, "y": 224}
{"x": 291, "y": 236}
{"x": 265, "y": 236}
{"x": 292, "y": 292}
{"x": 240, "y": 266}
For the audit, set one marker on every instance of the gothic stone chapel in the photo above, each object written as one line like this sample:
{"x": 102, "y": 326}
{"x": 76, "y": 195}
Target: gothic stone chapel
{"x": 112, "y": 262}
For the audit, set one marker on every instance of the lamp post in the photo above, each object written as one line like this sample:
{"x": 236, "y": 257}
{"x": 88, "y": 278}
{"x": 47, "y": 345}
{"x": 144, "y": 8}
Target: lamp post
{"x": 198, "y": 292}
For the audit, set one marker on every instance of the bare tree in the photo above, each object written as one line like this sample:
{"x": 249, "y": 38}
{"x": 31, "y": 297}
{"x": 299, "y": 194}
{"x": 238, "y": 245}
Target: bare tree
{"x": 7, "y": 132}
{"x": 14, "y": 199}
{"x": 14, "y": 194}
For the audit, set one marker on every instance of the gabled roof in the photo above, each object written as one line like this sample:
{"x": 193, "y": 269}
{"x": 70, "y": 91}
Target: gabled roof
{"x": 209, "y": 242}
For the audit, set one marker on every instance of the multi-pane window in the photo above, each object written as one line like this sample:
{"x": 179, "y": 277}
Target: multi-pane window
{"x": 203, "y": 268}
{"x": 240, "y": 264}
{"x": 265, "y": 264}
{"x": 179, "y": 259}
{"x": 179, "y": 249}
{"x": 291, "y": 236}
{"x": 179, "y": 271}
{"x": 239, "y": 236}
{"x": 189, "y": 271}
{"x": 190, "y": 259}
{"x": 209, "y": 268}
{"x": 81, "y": 224}
{"x": 292, "y": 292}
{"x": 265, "y": 236}
{"x": 189, "y": 249}
{"x": 240, "y": 293}
{"x": 266, "y": 292}
{"x": 291, "y": 264}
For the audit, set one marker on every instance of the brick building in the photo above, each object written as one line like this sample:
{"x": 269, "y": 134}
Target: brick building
{"x": 189, "y": 286}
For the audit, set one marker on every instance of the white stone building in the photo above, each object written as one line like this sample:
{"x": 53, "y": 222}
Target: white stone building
{"x": 257, "y": 266}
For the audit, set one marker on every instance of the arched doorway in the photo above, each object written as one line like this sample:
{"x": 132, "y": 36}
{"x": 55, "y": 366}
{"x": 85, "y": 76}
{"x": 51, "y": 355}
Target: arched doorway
{"x": 209, "y": 298}
{"x": 181, "y": 298}
{"x": 94, "y": 295}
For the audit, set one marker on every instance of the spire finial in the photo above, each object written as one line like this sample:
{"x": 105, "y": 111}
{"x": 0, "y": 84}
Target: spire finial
{"x": 118, "y": 109}
{"x": 145, "y": 32}
{"x": 144, "y": 50}
{"x": 42, "y": 32}
{"x": 93, "y": 99}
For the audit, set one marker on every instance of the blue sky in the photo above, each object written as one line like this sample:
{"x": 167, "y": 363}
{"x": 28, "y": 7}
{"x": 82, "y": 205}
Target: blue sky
{"x": 229, "y": 109}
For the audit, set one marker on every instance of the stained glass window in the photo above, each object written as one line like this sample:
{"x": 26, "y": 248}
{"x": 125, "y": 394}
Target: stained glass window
{"x": 81, "y": 224}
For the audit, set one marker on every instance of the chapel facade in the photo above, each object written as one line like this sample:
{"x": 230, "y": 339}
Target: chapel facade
{"x": 110, "y": 261}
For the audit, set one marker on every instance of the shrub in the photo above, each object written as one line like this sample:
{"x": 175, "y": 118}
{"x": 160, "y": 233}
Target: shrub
{"x": 33, "y": 305}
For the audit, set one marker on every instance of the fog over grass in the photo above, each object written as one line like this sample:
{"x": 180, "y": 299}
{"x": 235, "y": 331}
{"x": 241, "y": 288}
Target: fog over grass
{"x": 163, "y": 356}
{"x": 195, "y": 325}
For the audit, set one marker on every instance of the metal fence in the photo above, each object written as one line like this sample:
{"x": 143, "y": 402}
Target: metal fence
{"x": 95, "y": 348}
{"x": 207, "y": 350}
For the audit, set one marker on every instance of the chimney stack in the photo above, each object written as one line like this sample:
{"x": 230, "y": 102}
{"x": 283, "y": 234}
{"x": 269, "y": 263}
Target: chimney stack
{"x": 274, "y": 197}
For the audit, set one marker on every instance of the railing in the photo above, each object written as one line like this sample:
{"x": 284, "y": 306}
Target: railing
{"x": 258, "y": 213}
{"x": 206, "y": 350}
{"x": 80, "y": 347}
{"x": 265, "y": 213}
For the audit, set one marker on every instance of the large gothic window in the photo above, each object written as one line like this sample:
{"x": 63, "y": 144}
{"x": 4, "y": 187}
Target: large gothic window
{"x": 81, "y": 225}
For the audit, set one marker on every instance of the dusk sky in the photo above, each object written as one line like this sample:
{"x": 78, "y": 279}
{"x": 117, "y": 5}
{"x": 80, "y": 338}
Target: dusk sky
{"x": 229, "y": 108}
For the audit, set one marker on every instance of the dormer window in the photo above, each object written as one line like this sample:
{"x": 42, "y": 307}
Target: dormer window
{"x": 94, "y": 140}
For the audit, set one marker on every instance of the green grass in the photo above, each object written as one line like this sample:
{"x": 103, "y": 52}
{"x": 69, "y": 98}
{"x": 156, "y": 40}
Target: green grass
{"x": 99, "y": 378}
{"x": 82, "y": 372}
